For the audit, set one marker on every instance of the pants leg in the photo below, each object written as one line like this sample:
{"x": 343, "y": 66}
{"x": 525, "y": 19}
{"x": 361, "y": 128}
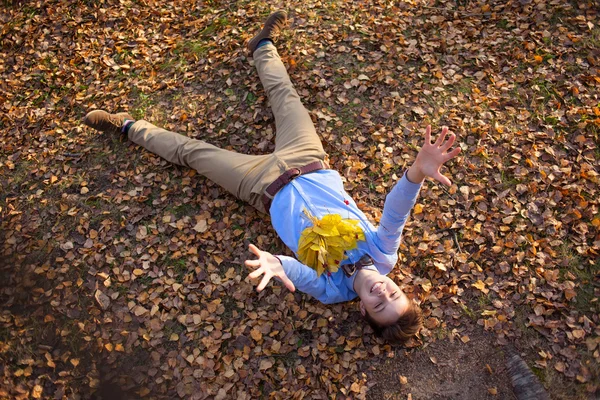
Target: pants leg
{"x": 241, "y": 174}
{"x": 246, "y": 176}
{"x": 296, "y": 139}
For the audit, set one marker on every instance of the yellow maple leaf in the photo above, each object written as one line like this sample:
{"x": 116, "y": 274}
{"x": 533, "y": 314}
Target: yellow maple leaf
{"x": 322, "y": 245}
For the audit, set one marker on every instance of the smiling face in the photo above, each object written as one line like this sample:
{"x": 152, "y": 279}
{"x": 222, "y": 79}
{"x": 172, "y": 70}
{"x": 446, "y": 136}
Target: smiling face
{"x": 380, "y": 297}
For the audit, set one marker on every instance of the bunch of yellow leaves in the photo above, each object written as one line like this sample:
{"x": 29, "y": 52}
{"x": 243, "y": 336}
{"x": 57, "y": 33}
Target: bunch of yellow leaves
{"x": 323, "y": 244}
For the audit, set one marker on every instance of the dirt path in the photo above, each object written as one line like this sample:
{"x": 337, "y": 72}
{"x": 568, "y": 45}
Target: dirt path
{"x": 446, "y": 369}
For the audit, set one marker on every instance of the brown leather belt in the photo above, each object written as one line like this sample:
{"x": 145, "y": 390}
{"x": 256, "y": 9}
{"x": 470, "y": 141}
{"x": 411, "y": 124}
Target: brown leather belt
{"x": 286, "y": 178}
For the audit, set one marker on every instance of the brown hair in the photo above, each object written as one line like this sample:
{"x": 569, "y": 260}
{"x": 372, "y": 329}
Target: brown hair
{"x": 405, "y": 327}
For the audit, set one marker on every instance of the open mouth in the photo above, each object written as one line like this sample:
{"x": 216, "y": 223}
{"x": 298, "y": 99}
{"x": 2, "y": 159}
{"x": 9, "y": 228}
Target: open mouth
{"x": 376, "y": 286}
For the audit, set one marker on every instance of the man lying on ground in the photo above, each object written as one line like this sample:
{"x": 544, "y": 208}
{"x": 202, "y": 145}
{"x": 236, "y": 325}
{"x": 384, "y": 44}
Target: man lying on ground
{"x": 294, "y": 185}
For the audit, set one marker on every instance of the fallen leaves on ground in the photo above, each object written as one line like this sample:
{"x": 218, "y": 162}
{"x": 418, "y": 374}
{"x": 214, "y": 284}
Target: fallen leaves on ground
{"x": 118, "y": 267}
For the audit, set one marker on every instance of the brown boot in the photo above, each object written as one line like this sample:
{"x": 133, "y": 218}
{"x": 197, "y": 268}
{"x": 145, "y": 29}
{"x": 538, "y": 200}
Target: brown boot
{"x": 105, "y": 122}
{"x": 275, "y": 22}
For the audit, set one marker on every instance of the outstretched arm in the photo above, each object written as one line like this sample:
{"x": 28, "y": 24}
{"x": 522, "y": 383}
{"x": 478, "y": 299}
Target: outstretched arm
{"x": 290, "y": 271}
{"x": 400, "y": 201}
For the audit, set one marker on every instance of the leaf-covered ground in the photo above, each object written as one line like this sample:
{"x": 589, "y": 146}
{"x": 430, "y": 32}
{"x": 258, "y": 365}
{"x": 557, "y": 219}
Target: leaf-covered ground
{"x": 120, "y": 271}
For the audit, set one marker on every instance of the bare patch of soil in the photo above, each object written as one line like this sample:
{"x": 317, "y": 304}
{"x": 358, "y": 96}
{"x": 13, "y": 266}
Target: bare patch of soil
{"x": 446, "y": 370}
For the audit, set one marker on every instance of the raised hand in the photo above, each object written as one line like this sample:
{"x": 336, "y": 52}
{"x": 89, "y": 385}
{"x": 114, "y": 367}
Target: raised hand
{"x": 269, "y": 266}
{"x": 432, "y": 157}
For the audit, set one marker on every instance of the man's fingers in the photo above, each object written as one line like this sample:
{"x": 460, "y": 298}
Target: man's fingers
{"x": 428, "y": 135}
{"x": 255, "y": 250}
{"x": 265, "y": 280}
{"x": 252, "y": 263}
{"x": 288, "y": 284}
{"x": 256, "y": 274}
{"x": 452, "y": 154}
{"x": 442, "y": 179}
{"x": 441, "y": 138}
{"x": 448, "y": 142}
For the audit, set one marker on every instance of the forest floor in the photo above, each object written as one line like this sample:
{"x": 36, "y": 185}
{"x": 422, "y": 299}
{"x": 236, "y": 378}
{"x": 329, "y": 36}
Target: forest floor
{"x": 122, "y": 273}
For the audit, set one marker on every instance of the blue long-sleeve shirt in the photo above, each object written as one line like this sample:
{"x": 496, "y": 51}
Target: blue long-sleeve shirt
{"x": 321, "y": 193}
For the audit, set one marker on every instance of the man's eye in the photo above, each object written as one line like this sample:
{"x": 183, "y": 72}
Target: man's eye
{"x": 393, "y": 294}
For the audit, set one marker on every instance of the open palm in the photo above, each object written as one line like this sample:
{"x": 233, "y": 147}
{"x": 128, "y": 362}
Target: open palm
{"x": 432, "y": 156}
{"x": 268, "y": 266}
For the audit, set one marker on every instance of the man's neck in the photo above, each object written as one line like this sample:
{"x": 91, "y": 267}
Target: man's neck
{"x": 361, "y": 274}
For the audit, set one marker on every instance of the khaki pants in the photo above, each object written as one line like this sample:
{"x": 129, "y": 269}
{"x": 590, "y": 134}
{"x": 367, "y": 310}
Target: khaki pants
{"x": 246, "y": 176}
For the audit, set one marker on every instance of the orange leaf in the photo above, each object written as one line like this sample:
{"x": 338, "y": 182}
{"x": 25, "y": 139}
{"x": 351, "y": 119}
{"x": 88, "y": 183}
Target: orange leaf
{"x": 569, "y": 294}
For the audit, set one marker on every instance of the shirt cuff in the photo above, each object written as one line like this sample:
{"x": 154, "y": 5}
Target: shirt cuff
{"x": 407, "y": 187}
{"x": 289, "y": 267}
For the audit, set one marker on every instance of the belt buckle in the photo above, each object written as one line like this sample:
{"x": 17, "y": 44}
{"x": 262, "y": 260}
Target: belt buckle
{"x": 294, "y": 173}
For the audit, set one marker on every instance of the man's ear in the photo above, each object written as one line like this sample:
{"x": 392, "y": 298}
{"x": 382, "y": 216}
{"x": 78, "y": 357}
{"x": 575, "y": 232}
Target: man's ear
{"x": 362, "y": 308}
